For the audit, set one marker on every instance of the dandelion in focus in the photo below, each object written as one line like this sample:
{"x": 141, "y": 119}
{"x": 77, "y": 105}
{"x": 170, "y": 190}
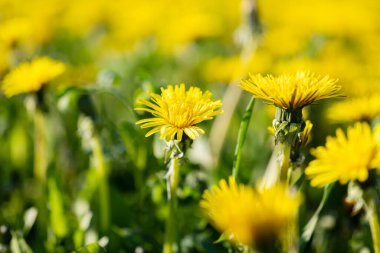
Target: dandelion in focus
{"x": 259, "y": 219}
{"x": 177, "y": 111}
{"x": 346, "y": 157}
{"x": 31, "y": 76}
{"x": 291, "y": 92}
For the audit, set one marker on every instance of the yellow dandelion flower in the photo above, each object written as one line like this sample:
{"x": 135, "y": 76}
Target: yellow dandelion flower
{"x": 248, "y": 216}
{"x": 231, "y": 208}
{"x": 291, "y": 92}
{"x": 31, "y": 76}
{"x": 178, "y": 111}
{"x": 346, "y": 158}
{"x": 364, "y": 108}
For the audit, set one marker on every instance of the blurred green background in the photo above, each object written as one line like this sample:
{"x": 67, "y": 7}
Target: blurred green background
{"x": 104, "y": 181}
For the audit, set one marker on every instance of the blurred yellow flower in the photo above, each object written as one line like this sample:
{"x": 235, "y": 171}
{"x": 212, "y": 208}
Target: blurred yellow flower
{"x": 364, "y": 108}
{"x": 346, "y": 158}
{"x": 330, "y": 17}
{"x": 222, "y": 69}
{"x": 31, "y": 76}
{"x": 228, "y": 69}
{"x": 29, "y": 24}
{"x": 14, "y": 30}
{"x": 81, "y": 16}
{"x": 178, "y": 111}
{"x": 184, "y": 22}
{"x": 249, "y": 216}
{"x": 291, "y": 41}
{"x": 291, "y": 92}
{"x": 362, "y": 86}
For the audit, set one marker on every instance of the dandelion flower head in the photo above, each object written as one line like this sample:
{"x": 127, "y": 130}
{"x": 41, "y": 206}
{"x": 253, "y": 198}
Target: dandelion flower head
{"x": 31, "y": 76}
{"x": 177, "y": 111}
{"x": 346, "y": 157}
{"x": 249, "y": 216}
{"x": 291, "y": 92}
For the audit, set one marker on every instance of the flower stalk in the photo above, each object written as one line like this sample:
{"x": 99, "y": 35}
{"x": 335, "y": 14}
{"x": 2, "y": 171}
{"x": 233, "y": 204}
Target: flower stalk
{"x": 91, "y": 141}
{"x": 40, "y": 143}
{"x": 241, "y": 137}
{"x": 101, "y": 171}
{"x": 174, "y": 155}
{"x": 288, "y": 127}
{"x": 176, "y": 114}
{"x": 373, "y": 219}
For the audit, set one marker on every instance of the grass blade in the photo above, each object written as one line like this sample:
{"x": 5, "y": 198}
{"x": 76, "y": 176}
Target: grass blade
{"x": 241, "y": 137}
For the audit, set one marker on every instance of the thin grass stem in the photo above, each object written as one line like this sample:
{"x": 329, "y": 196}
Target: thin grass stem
{"x": 373, "y": 219}
{"x": 171, "y": 221}
{"x": 241, "y": 137}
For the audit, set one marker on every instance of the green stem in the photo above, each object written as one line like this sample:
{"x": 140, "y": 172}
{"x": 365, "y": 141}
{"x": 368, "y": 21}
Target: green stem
{"x": 40, "y": 142}
{"x": 373, "y": 219}
{"x": 40, "y": 170}
{"x": 285, "y": 161}
{"x": 171, "y": 221}
{"x": 101, "y": 169}
{"x": 309, "y": 228}
{"x": 241, "y": 137}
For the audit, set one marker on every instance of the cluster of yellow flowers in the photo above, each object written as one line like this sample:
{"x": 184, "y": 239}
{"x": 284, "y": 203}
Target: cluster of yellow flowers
{"x": 261, "y": 217}
{"x": 322, "y": 36}
{"x": 118, "y": 24}
{"x": 249, "y": 216}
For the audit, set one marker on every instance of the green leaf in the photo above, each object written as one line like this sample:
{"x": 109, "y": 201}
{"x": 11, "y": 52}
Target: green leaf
{"x": 18, "y": 244}
{"x": 310, "y": 226}
{"x": 30, "y": 217}
{"x": 223, "y": 237}
{"x": 91, "y": 248}
{"x": 241, "y": 137}
{"x": 57, "y": 212}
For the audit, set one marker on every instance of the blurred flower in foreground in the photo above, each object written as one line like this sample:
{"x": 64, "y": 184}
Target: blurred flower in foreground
{"x": 291, "y": 92}
{"x": 365, "y": 108}
{"x": 31, "y": 76}
{"x": 178, "y": 111}
{"x": 346, "y": 158}
{"x": 247, "y": 216}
